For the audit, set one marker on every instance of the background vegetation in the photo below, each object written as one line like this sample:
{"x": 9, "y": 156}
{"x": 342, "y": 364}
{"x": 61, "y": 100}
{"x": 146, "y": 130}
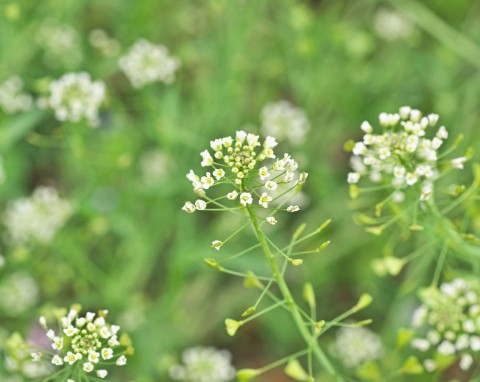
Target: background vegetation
{"x": 128, "y": 246}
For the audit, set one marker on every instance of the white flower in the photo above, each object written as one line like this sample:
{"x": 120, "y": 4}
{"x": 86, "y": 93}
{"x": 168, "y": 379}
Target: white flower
{"x": 246, "y": 198}
{"x": 12, "y": 98}
{"x": 366, "y": 127}
{"x": 93, "y": 356}
{"x": 204, "y": 364}
{"x": 200, "y": 204}
{"x": 88, "y": 367}
{"x": 107, "y": 353}
{"x": 217, "y": 244}
{"x": 70, "y": 358}
{"x": 189, "y": 207}
{"x": 293, "y": 208}
{"x": 353, "y": 177}
{"x": 56, "y": 360}
{"x": 121, "y": 361}
{"x": 75, "y": 97}
{"x": 446, "y": 348}
{"x": 420, "y": 344}
{"x": 145, "y": 63}
{"x": 284, "y": 121}
{"x": 232, "y": 195}
{"x": 60, "y": 42}
{"x": 271, "y": 220}
{"x": 458, "y": 162}
{"x": 36, "y": 356}
{"x": 392, "y": 25}
{"x": 263, "y": 172}
{"x": 442, "y": 133}
{"x": 288, "y": 177}
{"x": 271, "y": 185}
{"x": 264, "y": 200}
{"x": 18, "y": 292}
{"x": 356, "y": 346}
{"x": 102, "y": 373}
{"x": 218, "y": 173}
{"x": 302, "y": 177}
{"x": 207, "y": 159}
{"x": 106, "y": 45}
{"x": 207, "y": 181}
{"x": 38, "y": 218}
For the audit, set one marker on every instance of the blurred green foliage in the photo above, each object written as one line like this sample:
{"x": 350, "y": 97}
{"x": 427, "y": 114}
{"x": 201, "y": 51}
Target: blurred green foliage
{"x": 128, "y": 247}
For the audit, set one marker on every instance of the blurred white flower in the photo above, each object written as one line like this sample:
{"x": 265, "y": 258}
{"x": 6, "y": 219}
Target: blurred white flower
{"x": 36, "y": 218}
{"x": 18, "y": 293}
{"x": 286, "y": 122}
{"x": 204, "y": 364}
{"x": 75, "y": 97}
{"x": 355, "y": 346}
{"x": 61, "y": 43}
{"x": 106, "y": 45}
{"x": 12, "y": 98}
{"x": 145, "y": 63}
{"x": 391, "y": 25}
{"x": 155, "y": 166}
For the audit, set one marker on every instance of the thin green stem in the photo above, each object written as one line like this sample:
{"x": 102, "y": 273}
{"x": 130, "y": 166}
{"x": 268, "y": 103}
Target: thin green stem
{"x": 290, "y": 302}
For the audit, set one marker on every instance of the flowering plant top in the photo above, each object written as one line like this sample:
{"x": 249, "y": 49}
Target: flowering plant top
{"x": 250, "y": 172}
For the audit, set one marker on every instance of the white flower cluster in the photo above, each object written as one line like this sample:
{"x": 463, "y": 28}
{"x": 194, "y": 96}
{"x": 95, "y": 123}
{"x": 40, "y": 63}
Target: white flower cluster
{"x": 145, "y": 63}
{"x": 106, "y": 45}
{"x": 392, "y": 25}
{"x": 18, "y": 293}
{"x": 155, "y": 166}
{"x": 401, "y": 155}
{"x": 449, "y": 323}
{"x": 75, "y": 97}
{"x": 204, "y": 364}
{"x": 89, "y": 341}
{"x": 283, "y": 120}
{"x": 12, "y": 97}
{"x": 36, "y": 219}
{"x": 238, "y": 163}
{"x": 61, "y": 43}
{"x": 356, "y": 346}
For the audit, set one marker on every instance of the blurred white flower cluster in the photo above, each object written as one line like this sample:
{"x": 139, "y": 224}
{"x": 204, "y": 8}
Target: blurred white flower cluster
{"x": 75, "y": 97}
{"x": 145, "y": 63}
{"x": 106, "y": 45}
{"x": 448, "y": 323}
{"x": 401, "y": 155}
{"x": 18, "y": 361}
{"x": 286, "y": 122}
{"x": 61, "y": 43}
{"x": 356, "y": 346}
{"x": 392, "y": 25}
{"x": 204, "y": 364}
{"x": 155, "y": 166}
{"x": 237, "y": 163}
{"x": 18, "y": 293}
{"x": 12, "y": 97}
{"x": 87, "y": 340}
{"x": 37, "y": 218}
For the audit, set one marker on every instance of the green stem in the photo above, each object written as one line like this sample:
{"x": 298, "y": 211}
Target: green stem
{"x": 290, "y": 302}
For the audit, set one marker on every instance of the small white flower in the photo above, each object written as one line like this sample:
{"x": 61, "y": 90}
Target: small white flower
{"x": 56, "y": 360}
{"x": 288, "y": 177}
{"x": 107, "y": 353}
{"x": 264, "y": 200}
{"x": 411, "y": 179}
{"x": 36, "y": 356}
{"x": 102, "y": 373}
{"x": 442, "y": 133}
{"x": 189, "y": 207}
{"x": 271, "y": 220}
{"x": 271, "y": 185}
{"x": 70, "y": 331}
{"x": 430, "y": 365}
{"x": 93, "y": 356}
{"x": 302, "y": 178}
{"x": 207, "y": 181}
{"x": 405, "y": 112}
{"x": 232, "y": 195}
{"x": 466, "y": 361}
{"x": 366, "y": 127}
{"x": 263, "y": 172}
{"x": 458, "y": 162}
{"x": 121, "y": 361}
{"x": 246, "y": 198}
{"x": 218, "y": 173}
{"x": 353, "y": 177}
{"x": 88, "y": 367}
{"x": 70, "y": 358}
{"x": 57, "y": 343}
{"x": 200, "y": 204}
{"x": 293, "y": 208}
{"x": 217, "y": 244}
{"x": 420, "y": 344}
{"x": 446, "y": 348}
{"x": 207, "y": 159}
{"x": 146, "y": 63}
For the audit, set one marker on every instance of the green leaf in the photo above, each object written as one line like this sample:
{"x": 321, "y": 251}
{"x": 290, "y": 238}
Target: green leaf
{"x": 14, "y": 130}
{"x": 412, "y": 366}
